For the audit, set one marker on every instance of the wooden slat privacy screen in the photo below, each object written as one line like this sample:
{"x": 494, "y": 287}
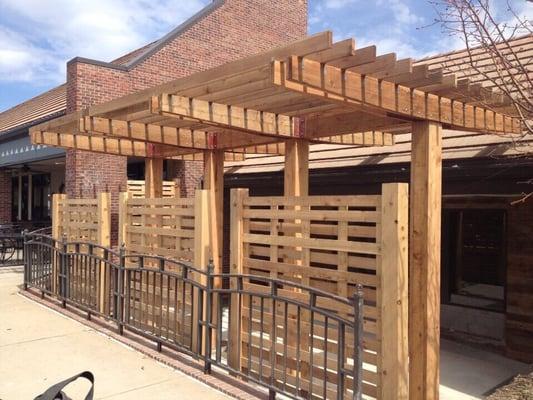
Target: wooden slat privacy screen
{"x": 161, "y": 226}
{"x": 332, "y": 243}
{"x": 82, "y": 220}
{"x": 136, "y": 189}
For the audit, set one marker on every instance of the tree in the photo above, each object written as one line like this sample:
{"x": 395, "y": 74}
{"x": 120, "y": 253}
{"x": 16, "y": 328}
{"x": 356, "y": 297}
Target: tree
{"x": 486, "y": 36}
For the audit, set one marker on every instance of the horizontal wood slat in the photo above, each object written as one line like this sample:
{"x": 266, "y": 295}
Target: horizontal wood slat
{"x": 159, "y": 226}
{"x": 331, "y": 243}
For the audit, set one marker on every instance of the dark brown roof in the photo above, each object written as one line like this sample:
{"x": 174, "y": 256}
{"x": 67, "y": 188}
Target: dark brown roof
{"x": 43, "y": 106}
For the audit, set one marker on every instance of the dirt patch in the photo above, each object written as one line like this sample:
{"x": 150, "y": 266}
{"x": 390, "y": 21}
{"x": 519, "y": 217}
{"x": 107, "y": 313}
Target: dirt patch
{"x": 521, "y": 388}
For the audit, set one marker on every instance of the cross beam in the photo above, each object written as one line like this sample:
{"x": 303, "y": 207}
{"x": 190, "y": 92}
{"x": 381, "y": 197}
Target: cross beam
{"x": 223, "y": 115}
{"x": 117, "y": 146}
{"x": 345, "y": 128}
{"x": 180, "y": 137}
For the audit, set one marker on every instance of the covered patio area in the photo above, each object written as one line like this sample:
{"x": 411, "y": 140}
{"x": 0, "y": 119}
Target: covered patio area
{"x": 281, "y": 102}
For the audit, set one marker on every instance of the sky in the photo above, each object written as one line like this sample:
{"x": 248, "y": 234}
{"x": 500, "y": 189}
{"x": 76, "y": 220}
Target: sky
{"x": 38, "y": 37}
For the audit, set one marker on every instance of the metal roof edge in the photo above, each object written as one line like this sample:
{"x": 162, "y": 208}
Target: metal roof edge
{"x": 22, "y": 129}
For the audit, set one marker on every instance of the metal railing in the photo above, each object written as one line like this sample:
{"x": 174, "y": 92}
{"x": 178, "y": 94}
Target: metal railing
{"x": 12, "y": 242}
{"x": 291, "y": 339}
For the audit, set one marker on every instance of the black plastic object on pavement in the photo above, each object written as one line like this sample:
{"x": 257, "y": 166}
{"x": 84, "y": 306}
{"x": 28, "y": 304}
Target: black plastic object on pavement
{"x": 55, "y": 392}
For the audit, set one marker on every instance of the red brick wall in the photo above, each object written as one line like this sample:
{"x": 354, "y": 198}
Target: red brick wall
{"x": 5, "y": 197}
{"x": 235, "y": 29}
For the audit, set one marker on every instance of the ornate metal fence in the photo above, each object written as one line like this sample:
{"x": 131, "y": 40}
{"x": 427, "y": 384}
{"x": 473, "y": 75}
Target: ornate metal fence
{"x": 12, "y": 242}
{"x": 178, "y": 306}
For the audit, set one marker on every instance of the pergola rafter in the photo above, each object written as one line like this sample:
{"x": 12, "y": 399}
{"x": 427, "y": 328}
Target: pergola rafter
{"x": 388, "y": 98}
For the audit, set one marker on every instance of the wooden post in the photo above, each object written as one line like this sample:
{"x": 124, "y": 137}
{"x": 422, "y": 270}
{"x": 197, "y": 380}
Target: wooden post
{"x": 392, "y": 296}
{"x": 424, "y": 260}
{"x": 296, "y": 173}
{"x": 104, "y": 239}
{"x": 201, "y": 252}
{"x": 56, "y": 223}
{"x": 122, "y": 218}
{"x": 236, "y": 267}
{"x": 153, "y": 177}
{"x": 214, "y": 183}
{"x": 56, "y": 233}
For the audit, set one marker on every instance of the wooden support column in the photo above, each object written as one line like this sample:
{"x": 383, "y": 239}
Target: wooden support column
{"x": 201, "y": 257}
{"x": 214, "y": 182}
{"x": 104, "y": 240}
{"x": 123, "y": 218}
{"x": 56, "y": 234}
{"x": 392, "y": 293}
{"x": 153, "y": 177}
{"x": 424, "y": 260}
{"x": 296, "y": 174}
{"x": 236, "y": 267}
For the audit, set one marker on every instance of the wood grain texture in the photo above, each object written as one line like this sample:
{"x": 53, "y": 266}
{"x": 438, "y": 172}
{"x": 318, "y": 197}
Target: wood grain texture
{"x": 424, "y": 260}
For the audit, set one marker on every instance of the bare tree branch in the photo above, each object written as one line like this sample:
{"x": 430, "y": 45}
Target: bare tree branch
{"x": 490, "y": 52}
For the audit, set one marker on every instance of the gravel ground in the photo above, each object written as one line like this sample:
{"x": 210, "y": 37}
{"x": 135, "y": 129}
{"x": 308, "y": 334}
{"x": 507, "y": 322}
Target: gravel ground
{"x": 521, "y": 388}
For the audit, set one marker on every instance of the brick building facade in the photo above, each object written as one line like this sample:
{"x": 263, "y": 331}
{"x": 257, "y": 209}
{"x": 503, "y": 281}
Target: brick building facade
{"x": 5, "y": 197}
{"x": 224, "y": 31}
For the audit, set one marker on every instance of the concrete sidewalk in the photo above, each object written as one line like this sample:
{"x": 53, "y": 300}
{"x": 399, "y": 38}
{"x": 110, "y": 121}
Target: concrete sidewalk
{"x": 39, "y": 347}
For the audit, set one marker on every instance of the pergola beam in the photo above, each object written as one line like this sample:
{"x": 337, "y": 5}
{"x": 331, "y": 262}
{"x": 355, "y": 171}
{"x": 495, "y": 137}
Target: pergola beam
{"x": 223, "y": 115}
{"x": 318, "y": 127}
{"x": 97, "y": 144}
{"x": 120, "y": 147}
{"x": 363, "y": 139}
{"x": 167, "y": 135}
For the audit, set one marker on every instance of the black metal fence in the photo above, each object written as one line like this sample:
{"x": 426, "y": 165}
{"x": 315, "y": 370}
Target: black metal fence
{"x": 12, "y": 242}
{"x": 291, "y": 339}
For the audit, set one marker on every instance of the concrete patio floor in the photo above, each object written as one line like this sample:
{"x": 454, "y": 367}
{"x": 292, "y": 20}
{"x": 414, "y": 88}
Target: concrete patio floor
{"x": 39, "y": 347}
{"x": 471, "y": 373}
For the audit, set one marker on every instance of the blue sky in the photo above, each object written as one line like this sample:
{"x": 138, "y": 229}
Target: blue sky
{"x": 37, "y": 37}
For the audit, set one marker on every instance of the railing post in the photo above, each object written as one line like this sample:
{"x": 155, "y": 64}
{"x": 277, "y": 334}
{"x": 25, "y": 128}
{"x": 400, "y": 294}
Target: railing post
{"x": 236, "y": 268}
{"x": 63, "y": 270}
{"x": 208, "y": 316}
{"x": 161, "y": 269}
{"x": 358, "y": 343}
{"x": 392, "y": 293}
{"x": 24, "y": 258}
{"x": 273, "y": 340}
{"x": 120, "y": 289}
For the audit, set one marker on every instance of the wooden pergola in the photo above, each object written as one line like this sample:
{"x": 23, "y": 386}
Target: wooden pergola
{"x": 283, "y": 101}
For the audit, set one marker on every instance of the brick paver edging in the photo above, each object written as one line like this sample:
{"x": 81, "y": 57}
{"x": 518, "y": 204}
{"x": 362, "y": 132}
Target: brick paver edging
{"x": 218, "y": 380}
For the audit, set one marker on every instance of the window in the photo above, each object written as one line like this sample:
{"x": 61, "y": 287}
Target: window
{"x": 474, "y": 258}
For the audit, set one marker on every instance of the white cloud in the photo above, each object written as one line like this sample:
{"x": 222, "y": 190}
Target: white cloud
{"x": 337, "y": 4}
{"x": 403, "y": 14}
{"x": 37, "y": 37}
